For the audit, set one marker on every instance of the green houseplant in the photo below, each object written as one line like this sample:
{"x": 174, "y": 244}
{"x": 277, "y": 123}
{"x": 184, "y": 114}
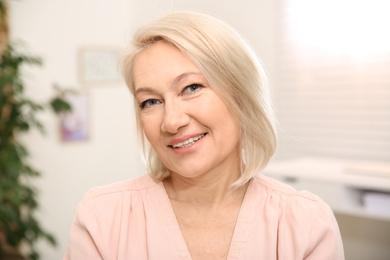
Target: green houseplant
{"x": 18, "y": 114}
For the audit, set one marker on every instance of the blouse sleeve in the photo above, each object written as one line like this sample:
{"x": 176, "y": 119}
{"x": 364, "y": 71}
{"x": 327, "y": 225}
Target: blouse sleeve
{"x": 325, "y": 240}
{"x": 84, "y": 237}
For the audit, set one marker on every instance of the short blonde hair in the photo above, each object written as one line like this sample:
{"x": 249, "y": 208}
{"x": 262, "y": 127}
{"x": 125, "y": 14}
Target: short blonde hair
{"x": 232, "y": 70}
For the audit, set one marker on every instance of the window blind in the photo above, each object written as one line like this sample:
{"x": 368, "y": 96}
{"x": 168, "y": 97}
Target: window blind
{"x": 332, "y": 80}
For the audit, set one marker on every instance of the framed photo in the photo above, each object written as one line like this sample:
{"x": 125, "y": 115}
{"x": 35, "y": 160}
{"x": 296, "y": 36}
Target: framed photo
{"x": 98, "y": 65}
{"x": 75, "y": 125}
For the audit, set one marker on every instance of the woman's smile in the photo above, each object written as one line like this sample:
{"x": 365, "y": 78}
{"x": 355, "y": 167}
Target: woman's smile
{"x": 187, "y": 142}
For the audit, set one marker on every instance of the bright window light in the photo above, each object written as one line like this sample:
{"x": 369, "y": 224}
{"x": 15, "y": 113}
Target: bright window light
{"x": 352, "y": 27}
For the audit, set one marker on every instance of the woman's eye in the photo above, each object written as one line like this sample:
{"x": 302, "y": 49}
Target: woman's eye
{"x": 149, "y": 103}
{"x": 191, "y": 88}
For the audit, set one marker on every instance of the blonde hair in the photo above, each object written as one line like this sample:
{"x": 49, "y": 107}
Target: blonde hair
{"x": 232, "y": 70}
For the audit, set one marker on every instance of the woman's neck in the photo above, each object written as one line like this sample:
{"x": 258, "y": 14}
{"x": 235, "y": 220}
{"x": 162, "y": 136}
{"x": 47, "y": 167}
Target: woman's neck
{"x": 207, "y": 190}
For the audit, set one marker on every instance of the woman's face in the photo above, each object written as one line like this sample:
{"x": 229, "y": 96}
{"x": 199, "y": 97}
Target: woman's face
{"x": 189, "y": 126}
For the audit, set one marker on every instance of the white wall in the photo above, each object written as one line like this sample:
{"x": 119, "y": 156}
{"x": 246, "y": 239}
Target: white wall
{"x": 54, "y": 30}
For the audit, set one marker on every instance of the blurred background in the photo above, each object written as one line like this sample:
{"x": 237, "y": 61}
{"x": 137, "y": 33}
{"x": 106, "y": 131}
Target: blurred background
{"x": 329, "y": 67}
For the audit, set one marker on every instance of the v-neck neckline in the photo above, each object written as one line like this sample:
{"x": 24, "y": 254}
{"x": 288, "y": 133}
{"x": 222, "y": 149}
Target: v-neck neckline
{"x": 240, "y": 234}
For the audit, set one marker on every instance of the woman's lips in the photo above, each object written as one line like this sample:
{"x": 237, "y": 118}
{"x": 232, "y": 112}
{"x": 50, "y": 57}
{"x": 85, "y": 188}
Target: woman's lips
{"x": 186, "y": 141}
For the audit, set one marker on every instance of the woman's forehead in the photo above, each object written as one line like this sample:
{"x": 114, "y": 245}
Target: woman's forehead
{"x": 158, "y": 62}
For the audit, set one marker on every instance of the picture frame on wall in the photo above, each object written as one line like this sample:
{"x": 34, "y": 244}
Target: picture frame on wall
{"x": 74, "y": 125}
{"x": 98, "y": 65}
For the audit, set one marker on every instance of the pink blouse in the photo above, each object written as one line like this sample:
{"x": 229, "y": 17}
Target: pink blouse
{"x": 135, "y": 220}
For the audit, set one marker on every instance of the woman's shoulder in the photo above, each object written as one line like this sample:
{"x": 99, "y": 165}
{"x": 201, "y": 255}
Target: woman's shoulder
{"x": 105, "y": 212}
{"x": 289, "y": 200}
{"x": 304, "y": 220}
{"x": 143, "y": 182}
{"x": 284, "y": 191}
{"x": 107, "y": 204}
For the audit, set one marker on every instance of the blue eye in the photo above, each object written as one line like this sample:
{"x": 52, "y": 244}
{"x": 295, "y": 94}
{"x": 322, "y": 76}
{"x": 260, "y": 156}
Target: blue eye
{"x": 191, "y": 88}
{"x": 149, "y": 103}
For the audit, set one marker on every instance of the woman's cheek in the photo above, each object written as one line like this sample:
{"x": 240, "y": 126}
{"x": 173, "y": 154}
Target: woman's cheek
{"x": 151, "y": 123}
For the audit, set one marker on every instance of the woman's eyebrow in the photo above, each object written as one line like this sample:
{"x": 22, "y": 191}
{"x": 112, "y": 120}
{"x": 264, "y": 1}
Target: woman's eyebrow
{"x": 183, "y": 75}
{"x": 144, "y": 89}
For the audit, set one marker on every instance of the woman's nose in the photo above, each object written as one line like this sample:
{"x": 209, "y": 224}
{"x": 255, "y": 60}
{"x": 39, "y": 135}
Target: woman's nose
{"x": 175, "y": 117}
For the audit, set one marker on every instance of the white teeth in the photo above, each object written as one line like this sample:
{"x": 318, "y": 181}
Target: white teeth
{"x": 188, "y": 143}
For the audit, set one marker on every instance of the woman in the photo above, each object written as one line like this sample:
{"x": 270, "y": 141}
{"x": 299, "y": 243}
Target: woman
{"x": 202, "y": 104}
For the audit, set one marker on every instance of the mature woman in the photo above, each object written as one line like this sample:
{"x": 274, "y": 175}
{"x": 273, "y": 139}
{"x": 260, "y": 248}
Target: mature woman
{"x": 202, "y": 105}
